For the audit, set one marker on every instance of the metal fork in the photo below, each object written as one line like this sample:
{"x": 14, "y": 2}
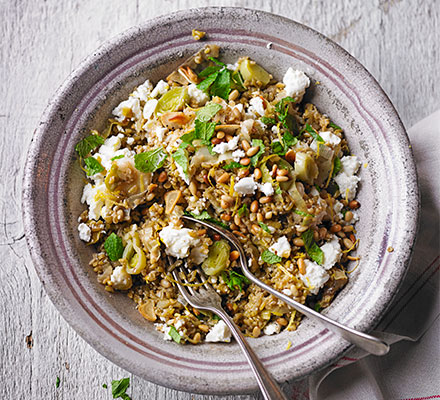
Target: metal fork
{"x": 204, "y": 297}
{"x": 367, "y": 342}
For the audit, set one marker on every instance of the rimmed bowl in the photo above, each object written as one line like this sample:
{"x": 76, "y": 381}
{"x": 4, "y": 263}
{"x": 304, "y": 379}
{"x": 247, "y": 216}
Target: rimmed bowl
{"x": 341, "y": 88}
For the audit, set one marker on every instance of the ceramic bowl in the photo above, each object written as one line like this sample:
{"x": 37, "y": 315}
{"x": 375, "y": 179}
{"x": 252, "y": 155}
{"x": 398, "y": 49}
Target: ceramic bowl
{"x": 341, "y": 88}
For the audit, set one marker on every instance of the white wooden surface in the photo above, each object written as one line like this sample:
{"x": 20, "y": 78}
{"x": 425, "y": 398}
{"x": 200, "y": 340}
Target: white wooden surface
{"x": 41, "y": 42}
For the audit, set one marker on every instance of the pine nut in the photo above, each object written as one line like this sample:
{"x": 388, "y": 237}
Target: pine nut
{"x": 220, "y": 134}
{"x": 197, "y": 337}
{"x": 254, "y": 206}
{"x": 252, "y": 151}
{"x": 228, "y": 199}
{"x": 245, "y": 144}
{"x": 268, "y": 215}
{"x": 193, "y": 188}
{"x": 281, "y": 178}
{"x": 282, "y": 172}
{"x": 236, "y": 114}
{"x": 274, "y": 169}
{"x": 301, "y": 229}
{"x": 255, "y": 229}
{"x": 237, "y": 219}
{"x": 234, "y": 255}
{"x": 301, "y": 266}
{"x": 223, "y": 178}
{"x": 316, "y": 236}
{"x": 204, "y": 328}
{"x": 225, "y": 217}
{"x": 322, "y": 232}
{"x": 348, "y": 228}
{"x": 257, "y": 174}
{"x": 243, "y": 172}
{"x": 298, "y": 242}
{"x": 290, "y": 156}
{"x": 335, "y": 228}
{"x": 163, "y": 176}
{"x": 224, "y": 204}
{"x": 256, "y": 332}
{"x": 233, "y": 95}
{"x": 260, "y": 217}
{"x": 282, "y": 321}
{"x": 165, "y": 283}
{"x": 201, "y": 232}
{"x": 228, "y": 138}
{"x": 215, "y": 141}
{"x": 348, "y": 216}
{"x": 348, "y": 243}
{"x": 245, "y": 161}
{"x": 352, "y": 238}
{"x": 265, "y": 199}
{"x": 354, "y": 204}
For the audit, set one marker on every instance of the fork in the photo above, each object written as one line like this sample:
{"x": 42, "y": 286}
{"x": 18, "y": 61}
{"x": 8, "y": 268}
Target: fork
{"x": 206, "y": 298}
{"x": 369, "y": 343}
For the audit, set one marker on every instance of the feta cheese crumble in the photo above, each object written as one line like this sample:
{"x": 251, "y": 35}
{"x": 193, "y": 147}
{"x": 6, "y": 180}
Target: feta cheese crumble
{"x": 91, "y": 196}
{"x": 142, "y": 91}
{"x": 257, "y": 105}
{"x": 178, "y": 241}
{"x": 160, "y": 89}
{"x": 224, "y": 147}
{"x": 149, "y": 108}
{"x": 332, "y": 253}
{"x": 281, "y": 247}
{"x": 315, "y": 276}
{"x": 266, "y": 188}
{"x": 197, "y": 96}
{"x": 128, "y": 109}
{"x": 245, "y": 186}
{"x": 120, "y": 278}
{"x": 237, "y": 155}
{"x": 85, "y": 233}
{"x": 296, "y": 83}
{"x": 346, "y": 179}
{"x": 330, "y": 138}
{"x": 219, "y": 333}
{"x": 272, "y": 328}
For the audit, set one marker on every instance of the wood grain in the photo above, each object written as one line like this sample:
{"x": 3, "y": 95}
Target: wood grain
{"x": 42, "y": 42}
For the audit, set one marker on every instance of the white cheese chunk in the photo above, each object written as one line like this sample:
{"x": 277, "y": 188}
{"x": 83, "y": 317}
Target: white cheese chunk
{"x": 245, "y": 186}
{"x": 347, "y": 185}
{"x": 178, "y": 241}
{"x": 257, "y": 106}
{"x": 330, "y": 138}
{"x": 219, "y": 333}
{"x": 127, "y": 107}
{"x": 296, "y": 83}
{"x": 149, "y": 108}
{"x": 142, "y": 91}
{"x": 266, "y": 188}
{"x": 197, "y": 96}
{"x": 92, "y": 197}
{"x": 237, "y": 155}
{"x": 160, "y": 89}
{"x": 272, "y": 328}
{"x": 281, "y": 247}
{"x": 224, "y": 147}
{"x": 121, "y": 279}
{"x": 85, "y": 233}
{"x": 315, "y": 276}
{"x": 332, "y": 253}
{"x": 350, "y": 165}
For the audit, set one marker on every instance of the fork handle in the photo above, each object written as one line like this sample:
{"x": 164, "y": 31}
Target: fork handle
{"x": 268, "y": 386}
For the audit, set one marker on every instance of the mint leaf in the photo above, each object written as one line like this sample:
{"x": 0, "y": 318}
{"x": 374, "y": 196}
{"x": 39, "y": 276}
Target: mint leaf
{"x": 268, "y": 121}
{"x": 264, "y": 227}
{"x": 243, "y": 210}
{"x": 281, "y": 148}
{"x": 237, "y": 81}
{"x": 85, "y": 146}
{"x": 221, "y": 87}
{"x": 204, "y": 131}
{"x": 113, "y": 247}
{"x": 93, "y": 166}
{"x": 313, "y": 133}
{"x": 150, "y": 161}
{"x": 209, "y": 70}
{"x": 235, "y": 280}
{"x": 174, "y": 334}
{"x": 117, "y": 157}
{"x": 278, "y": 148}
{"x": 180, "y": 157}
{"x": 218, "y": 62}
{"x": 233, "y": 165}
{"x": 283, "y": 105}
{"x": 204, "y": 216}
{"x": 254, "y": 158}
{"x": 337, "y": 166}
{"x": 207, "y": 112}
{"x": 206, "y": 83}
{"x": 289, "y": 140}
{"x": 312, "y": 249}
{"x": 270, "y": 258}
{"x": 119, "y": 388}
{"x": 334, "y": 126}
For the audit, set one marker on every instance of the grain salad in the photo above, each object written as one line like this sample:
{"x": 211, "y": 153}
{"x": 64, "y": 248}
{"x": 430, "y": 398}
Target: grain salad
{"x": 230, "y": 144}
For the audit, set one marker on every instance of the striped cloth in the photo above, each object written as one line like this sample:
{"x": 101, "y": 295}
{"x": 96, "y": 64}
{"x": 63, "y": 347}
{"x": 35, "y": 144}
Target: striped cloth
{"x": 411, "y": 371}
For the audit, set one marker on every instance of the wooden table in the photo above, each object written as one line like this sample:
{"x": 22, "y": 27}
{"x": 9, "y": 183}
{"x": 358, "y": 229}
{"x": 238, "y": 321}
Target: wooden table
{"x": 42, "y": 42}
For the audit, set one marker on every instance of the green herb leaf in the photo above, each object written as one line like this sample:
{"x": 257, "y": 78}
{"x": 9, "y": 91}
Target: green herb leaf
{"x": 218, "y": 62}
{"x": 117, "y": 157}
{"x": 57, "y": 383}
{"x": 283, "y": 105}
{"x": 204, "y": 131}
{"x": 318, "y": 188}
{"x": 317, "y": 307}
{"x": 243, "y": 210}
{"x": 204, "y": 216}
{"x": 209, "y": 70}
{"x": 233, "y": 165}
{"x": 289, "y": 140}
{"x": 254, "y": 158}
{"x": 313, "y": 133}
{"x": 270, "y": 258}
{"x": 207, "y": 112}
{"x": 175, "y": 335}
{"x": 264, "y": 227}
{"x": 334, "y": 126}
{"x": 237, "y": 81}
{"x": 206, "y": 83}
{"x": 302, "y": 213}
{"x": 215, "y": 317}
{"x": 104, "y": 385}
{"x": 119, "y": 388}
{"x": 268, "y": 121}
{"x": 180, "y": 157}
{"x": 222, "y": 85}
{"x": 150, "y": 161}
{"x": 93, "y": 166}
{"x": 278, "y": 148}
{"x": 235, "y": 280}
{"x": 113, "y": 247}
{"x": 312, "y": 249}
{"x": 337, "y": 166}
{"x": 85, "y": 146}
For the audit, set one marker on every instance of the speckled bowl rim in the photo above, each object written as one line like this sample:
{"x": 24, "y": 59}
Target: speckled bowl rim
{"x": 31, "y": 221}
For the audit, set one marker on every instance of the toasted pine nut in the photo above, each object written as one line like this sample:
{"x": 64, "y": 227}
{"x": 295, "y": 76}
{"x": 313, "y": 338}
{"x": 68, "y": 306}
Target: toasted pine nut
{"x": 236, "y": 114}
{"x": 255, "y": 229}
{"x": 201, "y": 232}
{"x": 298, "y": 242}
{"x": 354, "y": 204}
{"x": 228, "y": 138}
{"x": 254, "y": 206}
{"x": 245, "y": 161}
{"x": 245, "y": 144}
{"x": 348, "y": 243}
{"x": 204, "y": 328}
{"x": 237, "y": 219}
{"x": 243, "y": 172}
{"x": 225, "y": 217}
{"x": 162, "y": 177}
{"x": 274, "y": 169}
{"x": 220, "y": 134}
{"x": 281, "y": 178}
{"x": 282, "y": 321}
{"x": 252, "y": 151}
{"x": 215, "y": 141}
{"x": 290, "y": 156}
{"x": 260, "y": 217}
{"x": 256, "y": 332}
{"x": 224, "y": 204}
{"x": 348, "y": 216}
{"x": 193, "y": 188}
{"x": 223, "y": 178}
{"x": 335, "y": 228}
{"x": 282, "y": 172}
{"x": 348, "y": 228}
{"x": 228, "y": 199}
{"x": 233, "y": 95}
{"x": 265, "y": 199}
{"x": 234, "y": 255}
{"x": 268, "y": 215}
{"x": 257, "y": 173}
{"x": 352, "y": 238}
{"x": 301, "y": 266}
{"x": 197, "y": 337}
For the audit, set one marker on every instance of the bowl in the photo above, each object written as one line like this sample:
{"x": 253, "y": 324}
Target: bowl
{"x": 341, "y": 88}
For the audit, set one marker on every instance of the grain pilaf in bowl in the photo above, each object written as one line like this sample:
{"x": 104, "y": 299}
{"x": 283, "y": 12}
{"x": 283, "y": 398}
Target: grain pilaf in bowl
{"x": 229, "y": 144}
{"x": 190, "y": 156}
